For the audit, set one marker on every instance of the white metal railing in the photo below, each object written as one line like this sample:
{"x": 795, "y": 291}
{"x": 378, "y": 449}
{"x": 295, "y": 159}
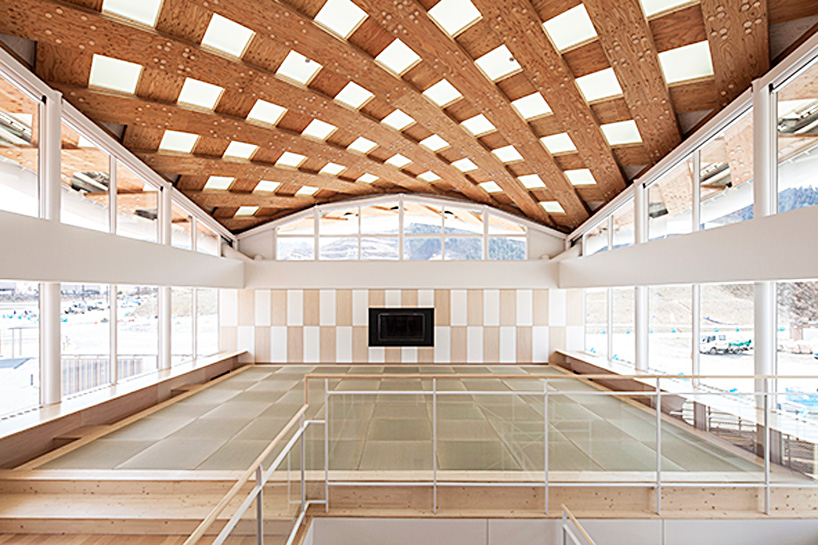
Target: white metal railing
{"x": 573, "y": 533}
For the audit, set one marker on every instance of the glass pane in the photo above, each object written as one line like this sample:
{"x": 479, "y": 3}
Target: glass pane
{"x": 85, "y": 332}
{"x": 624, "y": 226}
{"x": 623, "y": 303}
{"x": 670, "y": 203}
{"x": 19, "y": 346}
{"x": 207, "y": 321}
{"x": 726, "y": 341}
{"x": 422, "y": 248}
{"x": 137, "y": 330}
{"x": 85, "y": 182}
{"x": 207, "y": 242}
{"x": 727, "y": 176}
{"x": 798, "y": 142}
{"x": 137, "y": 206}
{"x": 343, "y": 221}
{"x": 596, "y": 240}
{"x": 507, "y": 248}
{"x": 181, "y": 234}
{"x": 797, "y": 331}
{"x": 181, "y": 335}
{"x": 19, "y": 154}
{"x": 295, "y": 248}
{"x": 305, "y": 225}
{"x": 462, "y": 248}
{"x": 670, "y": 335}
{"x": 501, "y": 226}
{"x": 596, "y": 321}
{"x": 380, "y": 219}
{"x": 421, "y": 219}
{"x": 379, "y": 248}
{"x": 338, "y": 248}
{"x": 462, "y": 221}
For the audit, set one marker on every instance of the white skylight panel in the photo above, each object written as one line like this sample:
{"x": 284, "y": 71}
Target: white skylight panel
{"x": 490, "y": 187}
{"x": 353, "y": 95}
{"x": 498, "y": 63}
{"x": 318, "y": 129}
{"x": 144, "y": 11}
{"x": 362, "y": 145}
{"x": 434, "y": 143}
{"x": 367, "y": 178}
{"x": 652, "y": 7}
{"x": 686, "y": 62}
{"x": 298, "y": 68}
{"x": 332, "y": 169}
{"x": 183, "y": 142}
{"x": 478, "y": 125}
{"x": 622, "y": 132}
{"x": 290, "y": 159}
{"x": 242, "y": 150}
{"x": 306, "y": 191}
{"x": 570, "y": 27}
{"x": 442, "y": 93}
{"x": 267, "y": 186}
{"x": 507, "y": 154}
{"x": 580, "y": 176}
{"x": 531, "y": 181}
{"x": 558, "y": 143}
{"x": 429, "y": 176}
{"x": 398, "y": 120}
{"x": 246, "y": 210}
{"x": 552, "y": 207}
{"x": 531, "y": 106}
{"x": 114, "y": 74}
{"x": 227, "y": 36}
{"x": 218, "y": 182}
{"x": 454, "y": 15}
{"x": 266, "y": 112}
{"x": 602, "y": 84}
{"x": 464, "y": 165}
{"x": 398, "y": 160}
{"x": 199, "y": 93}
{"x": 341, "y": 17}
{"x": 397, "y": 57}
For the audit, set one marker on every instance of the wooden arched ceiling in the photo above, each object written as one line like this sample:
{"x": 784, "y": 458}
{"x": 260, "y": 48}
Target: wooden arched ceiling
{"x": 69, "y": 33}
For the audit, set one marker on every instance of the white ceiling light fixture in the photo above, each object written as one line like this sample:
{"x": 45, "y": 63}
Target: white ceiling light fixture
{"x": 114, "y": 74}
{"x": 531, "y": 181}
{"x": 397, "y": 57}
{"x": 353, "y": 95}
{"x": 306, "y": 191}
{"x": 227, "y": 36}
{"x": 298, "y": 68}
{"x": 341, "y": 17}
{"x": 652, "y": 7}
{"x": 362, "y": 145}
{"x": 290, "y": 159}
{"x": 434, "y": 143}
{"x": 266, "y": 186}
{"x": 558, "y": 143}
{"x": 200, "y": 94}
{"x": 552, "y": 207}
{"x": 531, "y": 106}
{"x": 398, "y": 120}
{"x": 580, "y": 176}
{"x": 367, "y": 178}
{"x": 241, "y": 150}
{"x": 182, "y": 142}
{"x": 332, "y": 169}
{"x": 218, "y": 182}
{"x": 570, "y": 28}
{"x": 490, "y": 187}
{"x": 442, "y": 93}
{"x": 429, "y": 176}
{"x": 507, "y": 154}
{"x": 464, "y": 165}
{"x": 246, "y": 211}
{"x": 621, "y": 133}
{"x": 453, "y": 16}
{"x": 687, "y": 62}
{"x": 398, "y": 161}
{"x": 478, "y": 125}
{"x": 318, "y": 129}
{"x": 144, "y": 11}
{"x": 498, "y": 63}
{"x": 599, "y": 85}
{"x": 266, "y": 112}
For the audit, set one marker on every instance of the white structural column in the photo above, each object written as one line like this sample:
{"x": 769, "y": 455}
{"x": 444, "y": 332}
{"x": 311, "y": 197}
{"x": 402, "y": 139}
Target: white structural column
{"x": 165, "y": 300}
{"x": 641, "y": 296}
{"x": 697, "y": 288}
{"x": 50, "y": 349}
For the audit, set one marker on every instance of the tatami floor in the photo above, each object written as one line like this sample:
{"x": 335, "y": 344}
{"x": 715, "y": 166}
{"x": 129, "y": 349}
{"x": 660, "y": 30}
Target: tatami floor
{"x": 227, "y": 425}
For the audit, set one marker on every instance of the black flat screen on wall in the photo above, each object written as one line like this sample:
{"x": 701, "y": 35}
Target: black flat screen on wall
{"x": 401, "y": 327}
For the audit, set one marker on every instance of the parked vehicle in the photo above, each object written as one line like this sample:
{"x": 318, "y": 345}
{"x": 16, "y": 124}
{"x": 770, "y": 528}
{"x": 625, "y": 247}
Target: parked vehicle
{"x": 721, "y": 343}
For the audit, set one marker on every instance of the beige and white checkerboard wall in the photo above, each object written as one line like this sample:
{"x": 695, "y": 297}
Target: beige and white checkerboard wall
{"x": 471, "y": 326}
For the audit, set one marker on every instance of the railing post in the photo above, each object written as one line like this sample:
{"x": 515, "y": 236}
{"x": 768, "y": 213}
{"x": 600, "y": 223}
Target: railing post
{"x": 303, "y": 465}
{"x": 767, "y": 458}
{"x": 658, "y": 406}
{"x": 326, "y": 445}
{"x": 434, "y": 446}
{"x": 260, "y": 505}
{"x": 563, "y": 527}
{"x": 545, "y": 444}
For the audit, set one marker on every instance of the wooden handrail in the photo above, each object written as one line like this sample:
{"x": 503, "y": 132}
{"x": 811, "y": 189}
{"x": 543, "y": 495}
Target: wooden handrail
{"x": 219, "y": 507}
{"x": 585, "y": 534}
